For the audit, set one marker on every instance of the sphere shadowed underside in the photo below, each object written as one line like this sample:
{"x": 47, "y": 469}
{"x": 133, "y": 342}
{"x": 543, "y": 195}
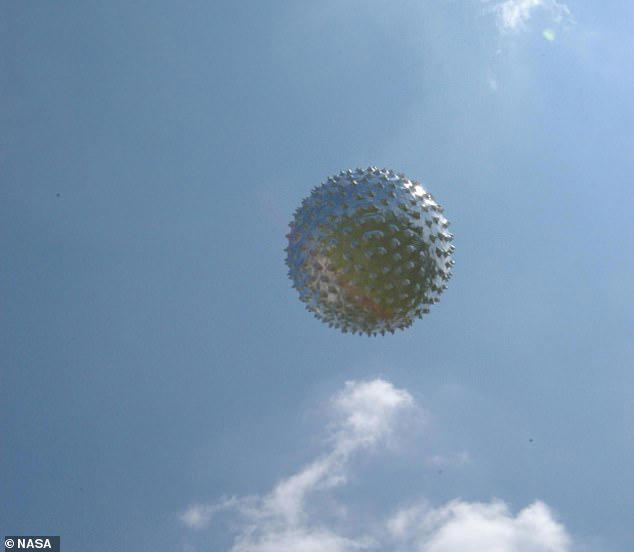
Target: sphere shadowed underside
{"x": 369, "y": 251}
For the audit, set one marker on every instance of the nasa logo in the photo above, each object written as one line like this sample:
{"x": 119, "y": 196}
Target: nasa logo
{"x": 32, "y": 543}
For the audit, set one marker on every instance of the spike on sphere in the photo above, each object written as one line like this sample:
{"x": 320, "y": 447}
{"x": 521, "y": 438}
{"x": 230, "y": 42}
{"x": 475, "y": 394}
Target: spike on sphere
{"x": 369, "y": 250}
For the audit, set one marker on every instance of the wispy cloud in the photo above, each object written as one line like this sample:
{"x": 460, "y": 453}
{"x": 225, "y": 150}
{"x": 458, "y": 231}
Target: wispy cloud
{"x": 513, "y": 15}
{"x": 198, "y": 516}
{"x": 293, "y": 515}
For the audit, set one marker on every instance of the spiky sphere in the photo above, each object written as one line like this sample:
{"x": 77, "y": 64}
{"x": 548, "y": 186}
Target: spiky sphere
{"x": 369, "y": 251}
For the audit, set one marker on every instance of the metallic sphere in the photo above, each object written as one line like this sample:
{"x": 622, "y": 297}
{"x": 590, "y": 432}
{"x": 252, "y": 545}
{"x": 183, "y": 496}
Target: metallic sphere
{"x": 369, "y": 251}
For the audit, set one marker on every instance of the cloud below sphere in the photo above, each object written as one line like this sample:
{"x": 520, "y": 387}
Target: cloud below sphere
{"x": 291, "y": 516}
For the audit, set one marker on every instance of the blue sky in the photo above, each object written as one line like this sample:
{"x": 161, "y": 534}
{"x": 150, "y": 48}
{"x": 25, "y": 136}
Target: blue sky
{"x": 162, "y": 384}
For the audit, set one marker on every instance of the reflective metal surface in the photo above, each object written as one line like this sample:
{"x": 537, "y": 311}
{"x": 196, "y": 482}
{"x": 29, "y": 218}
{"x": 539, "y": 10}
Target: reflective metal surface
{"x": 369, "y": 251}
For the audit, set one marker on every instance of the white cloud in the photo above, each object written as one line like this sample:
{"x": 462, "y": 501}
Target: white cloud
{"x": 513, "y": 14}
{"x": 473, "y": 527}
{"x": 198, "y": 516}
{"x": 301, "y": 514}
{"x": 366, "y": 412}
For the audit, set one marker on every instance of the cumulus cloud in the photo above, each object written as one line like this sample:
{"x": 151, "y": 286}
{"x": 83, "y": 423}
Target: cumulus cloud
{"x": 514, "y": 14}
{"x": 474, "y": 527}
{"x": 300, "y": 513}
